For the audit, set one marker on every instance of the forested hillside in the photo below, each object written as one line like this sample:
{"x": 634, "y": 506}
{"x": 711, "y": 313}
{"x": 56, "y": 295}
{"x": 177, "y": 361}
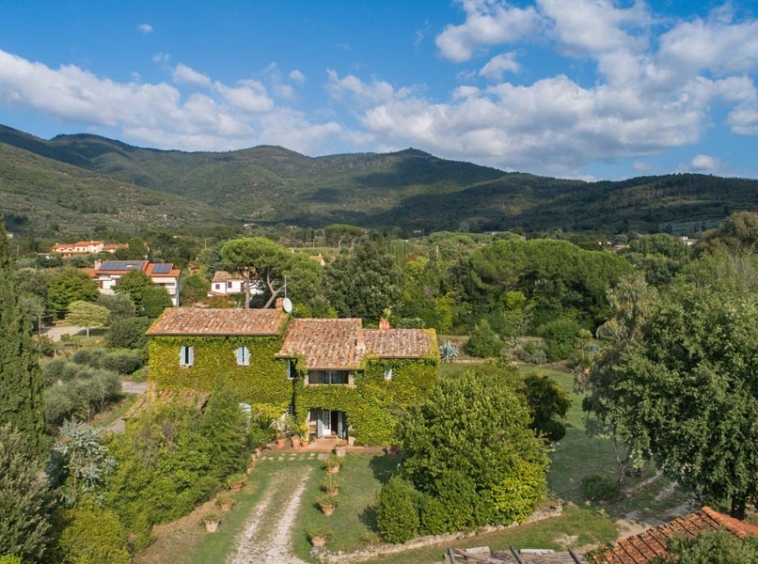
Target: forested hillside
{"x": 409, "y": 190}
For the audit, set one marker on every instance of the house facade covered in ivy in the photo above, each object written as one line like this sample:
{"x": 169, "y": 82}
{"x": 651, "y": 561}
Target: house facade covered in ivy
{"x": 334, "y": 376}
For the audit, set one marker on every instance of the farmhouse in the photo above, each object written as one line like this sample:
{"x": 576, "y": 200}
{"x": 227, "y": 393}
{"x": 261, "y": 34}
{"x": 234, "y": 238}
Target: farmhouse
{"x": 334, "y": 376}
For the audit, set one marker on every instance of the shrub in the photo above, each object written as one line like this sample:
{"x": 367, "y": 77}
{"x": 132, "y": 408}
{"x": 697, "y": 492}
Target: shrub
{"x": 396, "y": 513}
{"x": 128, "y": 333}
{"x": 434, "y": 516}
{"x": 320, "y": 532}
{"x": 600, "y": 488}
{"x": 560, "y": 336}
{"x": 123, "y": 362}
{"x": 532, "y": 352}
{"x": 483, "y": 341}
{"x": 92, "y": 357}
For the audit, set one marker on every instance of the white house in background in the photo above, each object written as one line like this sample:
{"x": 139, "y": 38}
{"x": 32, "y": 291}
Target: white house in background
{"x": 107, "y": 274}
{"x": 225, "y": 284}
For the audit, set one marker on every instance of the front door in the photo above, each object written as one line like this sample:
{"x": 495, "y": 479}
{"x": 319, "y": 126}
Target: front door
{"x": 330, "y": 423}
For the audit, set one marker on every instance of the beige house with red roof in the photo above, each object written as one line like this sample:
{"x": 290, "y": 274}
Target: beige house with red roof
{"x": 87, "y": 247}
{"x": 225, "y": 283}
{"x": 334, "y": 376}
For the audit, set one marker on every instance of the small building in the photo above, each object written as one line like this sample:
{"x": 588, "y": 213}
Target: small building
{"x": 107, "y": 273}
{"x": 67, "y": 250}
{"x": 225, "y": 284}
{"x": 334, "y": 376}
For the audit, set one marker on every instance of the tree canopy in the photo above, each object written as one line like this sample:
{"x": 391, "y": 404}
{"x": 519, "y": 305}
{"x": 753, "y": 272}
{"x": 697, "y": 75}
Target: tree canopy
{"x": 685, "y": 390}
{"x": 469, "y": 446}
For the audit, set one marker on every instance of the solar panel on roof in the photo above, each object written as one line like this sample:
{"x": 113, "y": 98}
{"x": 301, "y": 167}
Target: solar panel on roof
{"x": 121, "y": 265}
{"x": 161, "y": 268}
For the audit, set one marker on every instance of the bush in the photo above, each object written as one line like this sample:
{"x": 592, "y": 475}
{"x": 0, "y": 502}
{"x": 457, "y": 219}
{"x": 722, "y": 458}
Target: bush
{"x": 128, "y": 333}
{"x": 396, "y": 513}
{"x": 434, "y": 516}
{"x": 92, "y": 357}
{"x": 560, "y": 336}
{"x": 599, "y": 488}
{"x": 483, "y": 341}
{"x": 123, "y": 362}
{"x": 532, "y": 352}
{"x": 94, "y": 535}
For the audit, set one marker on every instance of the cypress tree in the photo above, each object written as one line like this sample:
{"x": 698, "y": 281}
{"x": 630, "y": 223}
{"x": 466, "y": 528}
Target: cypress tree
{"x": 21, "y": 381}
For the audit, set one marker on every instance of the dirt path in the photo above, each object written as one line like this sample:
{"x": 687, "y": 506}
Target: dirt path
{"x": 273, "y": 544}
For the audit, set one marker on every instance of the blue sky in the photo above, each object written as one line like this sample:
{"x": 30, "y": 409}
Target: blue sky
{"x": 595, "y": 89}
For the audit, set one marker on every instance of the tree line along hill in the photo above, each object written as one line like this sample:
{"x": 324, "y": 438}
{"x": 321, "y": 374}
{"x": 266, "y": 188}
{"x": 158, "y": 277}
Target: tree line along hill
{"x": 83, "y": 181}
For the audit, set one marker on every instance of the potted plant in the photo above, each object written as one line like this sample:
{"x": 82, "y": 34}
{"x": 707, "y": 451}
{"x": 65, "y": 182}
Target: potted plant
{"x": 211, "y": 522}
{"x": 340, "y": 450}
{"x": 234, "y": 482}
{"x": 332, "y": 464}
{"x": 327, "y": 503}
{"x": 331, "y": 484}
{"x": 284, "y": 427}
{"x": 319, "y": 536}
{"x": 224, "y": 502}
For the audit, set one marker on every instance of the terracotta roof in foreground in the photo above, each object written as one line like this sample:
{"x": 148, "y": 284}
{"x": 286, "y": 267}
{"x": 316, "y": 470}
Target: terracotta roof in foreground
{"x": 325, "y": 343}
{"x": 642, "y": 548}
{"x": 400, "y": 343}
{"x": 195, "y": 321}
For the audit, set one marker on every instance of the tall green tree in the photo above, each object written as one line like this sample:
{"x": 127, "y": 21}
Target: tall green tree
{"x": 712, "y": 547}
{"x": 364, "y": 283}
{"x": 631, "y": 302}
{"x": 70, "y": 285}
{"x": 25, "y": 498}
{"x": 21, "y": 382}
{"x": 686, "y": 391}
{"x": 470, "y": 447}
{"x": 258, "y": 259}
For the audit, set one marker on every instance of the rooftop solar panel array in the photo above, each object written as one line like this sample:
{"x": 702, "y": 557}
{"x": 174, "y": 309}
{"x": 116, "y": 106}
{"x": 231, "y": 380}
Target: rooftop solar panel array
{"x": 122, "y": 265}
{"x": 162, "y": 268}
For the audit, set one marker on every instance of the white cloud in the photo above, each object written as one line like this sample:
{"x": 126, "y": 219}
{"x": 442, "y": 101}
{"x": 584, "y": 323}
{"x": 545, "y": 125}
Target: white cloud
{"x": 499, "y": 65}
{"x": 246, "y": 96}
{"x": 487, "y": 23}
{"x": 161, "y": 58}
{"x": 297, "y": 77}
{"x": 159, "y": 115}
{"x": 705, "y": 164}
{"x": 183, "y": 74}
{"x": 594, "y": 27}
{"x": 145, "y": 28}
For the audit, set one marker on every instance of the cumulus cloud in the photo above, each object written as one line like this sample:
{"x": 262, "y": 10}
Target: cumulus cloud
{"x": 499, "y": 65}
{"x": 704, "y": 164}
{"x": 487, "y": 23}
{"x": 145, "y": 28}
{"x": 162, "y": 115}
{"x": 183, "y": 74}
{"x": 297, "y": 77}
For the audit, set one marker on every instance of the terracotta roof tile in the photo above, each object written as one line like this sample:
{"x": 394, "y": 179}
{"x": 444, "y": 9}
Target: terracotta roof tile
{"x": 221, "y": 276}
{"x": 325, "y": 343}
{"x": 400, "y": 343}
{"x": 171, "y": 271}
{"x": 194, "y": 321}
{"x": 640, "y": 549}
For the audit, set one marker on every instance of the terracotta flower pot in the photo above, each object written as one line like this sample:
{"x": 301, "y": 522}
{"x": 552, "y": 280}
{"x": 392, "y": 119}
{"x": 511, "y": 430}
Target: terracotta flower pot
{"x": 318, "y": 542}
{"x": 211, "y": 525}
{"x": 327, "y": 509}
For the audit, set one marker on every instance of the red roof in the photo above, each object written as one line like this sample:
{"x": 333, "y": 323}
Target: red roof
{"x": 325, "y": 343}
{"x": 194, "y": 321}
{"x": 400, "y": 343}
{"x": 172, "y": 272}
{"x": 341, "y": 344}
{"x": 642, "y": 548}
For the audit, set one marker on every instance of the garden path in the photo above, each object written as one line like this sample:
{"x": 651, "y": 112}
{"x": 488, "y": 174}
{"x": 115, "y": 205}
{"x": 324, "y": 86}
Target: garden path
{"x": 267, "y": 538}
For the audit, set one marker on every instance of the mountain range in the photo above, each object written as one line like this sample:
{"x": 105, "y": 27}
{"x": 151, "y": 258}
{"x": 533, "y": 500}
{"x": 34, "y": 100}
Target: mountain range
{"x": 73, "y": 183}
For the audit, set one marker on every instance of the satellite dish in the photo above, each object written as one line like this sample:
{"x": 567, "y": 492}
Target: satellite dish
{"x": 287, "y": 305}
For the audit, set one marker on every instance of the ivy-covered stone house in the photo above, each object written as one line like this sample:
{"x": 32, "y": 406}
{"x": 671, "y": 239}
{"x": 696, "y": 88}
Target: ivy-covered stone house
{"x": 334, "y": 376}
